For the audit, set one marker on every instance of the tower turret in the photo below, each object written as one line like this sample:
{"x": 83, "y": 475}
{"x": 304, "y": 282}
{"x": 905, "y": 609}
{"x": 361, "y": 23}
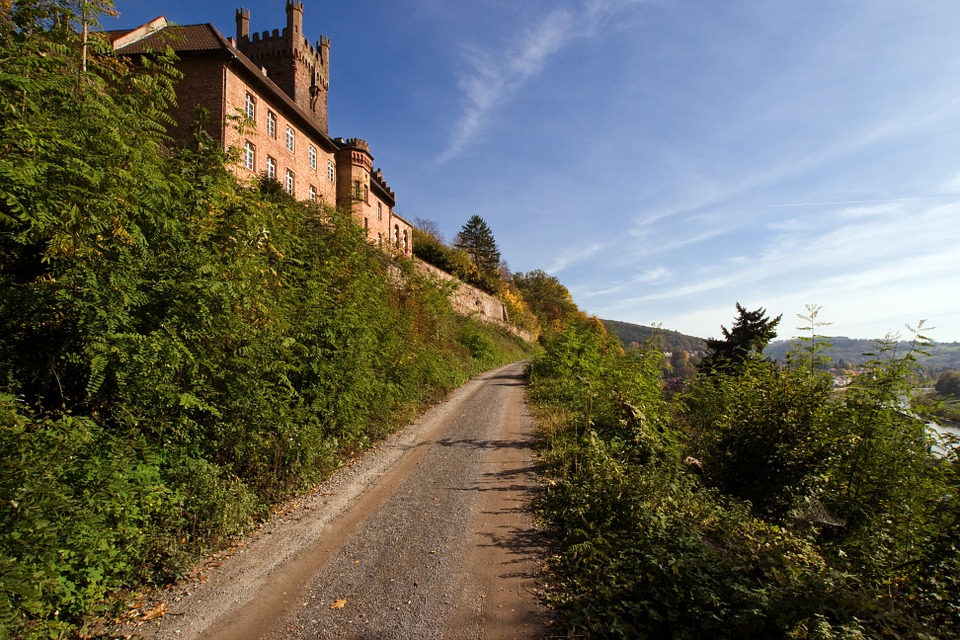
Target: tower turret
{"x": 301, "y": 69}
{"x": 243, "y": 24}
{"x": 294, "y": 21}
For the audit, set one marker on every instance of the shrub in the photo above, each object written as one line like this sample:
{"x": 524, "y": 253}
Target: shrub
{"x": 805, "y": 515}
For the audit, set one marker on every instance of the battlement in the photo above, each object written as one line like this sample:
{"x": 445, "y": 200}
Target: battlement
{"x": 356, "y": 143}
{"x": 298, "y": 67}
{"x": 279, "y": 41}
{"x": 288, "y": 40}
{"x": 377, "y": 178}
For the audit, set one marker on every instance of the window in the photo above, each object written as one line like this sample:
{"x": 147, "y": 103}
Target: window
{"x": 250, "y": 156}
{"x": 250, "y": 108}
{"x": 379, "y": 211}
{"x": 289, "y": 183}
{"x": 406, "y": 242}
{"x": 312, "y": 193}
{"x": 271, "y": 168}
{"x": 290, "y": 138}
{"x": 271, "y": 124}
{"x": 359, "y": 191}
{"x": 312, "y": 157}
{"x": 331, "y": 171}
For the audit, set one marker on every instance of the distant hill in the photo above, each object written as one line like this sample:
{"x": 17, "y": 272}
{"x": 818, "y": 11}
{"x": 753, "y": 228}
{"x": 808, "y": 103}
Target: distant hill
{"x": 843, "y": 351}
{"x": 850, "y": 351}
{"x": 672, "y": 340}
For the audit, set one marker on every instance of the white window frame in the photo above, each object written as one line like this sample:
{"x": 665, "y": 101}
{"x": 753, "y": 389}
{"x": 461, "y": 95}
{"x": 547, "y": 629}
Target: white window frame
{"x": 271, "y": 168}
{"x": 271, "y": 124}
{"x": 250, "y": 156}
{"x": 312, "y": 157}
{"x": 291, "y": 139}
{"x": 250, "y": 107}
{"x": 312, "y": 193}
{"x": 290, "y": 183}
{"x": 331, "y": 171}
{"x": 379, "y": 211}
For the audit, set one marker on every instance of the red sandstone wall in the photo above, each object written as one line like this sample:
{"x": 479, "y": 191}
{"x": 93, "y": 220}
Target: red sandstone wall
{"x": 256, "y": 132}
{"x": 400, "y": 233}
{"x": 201, "y": 85}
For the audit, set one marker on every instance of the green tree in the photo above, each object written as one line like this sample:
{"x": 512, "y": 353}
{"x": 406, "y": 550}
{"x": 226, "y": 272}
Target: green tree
{"x": 546, "y": 296}
{"x": 751, "y": 332}
{"x": 477, "y": 240}
{"x": 948, "y": 384}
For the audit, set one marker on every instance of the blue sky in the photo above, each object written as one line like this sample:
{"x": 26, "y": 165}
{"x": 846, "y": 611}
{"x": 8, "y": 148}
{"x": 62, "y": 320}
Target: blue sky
{"x": 665, "y": 159}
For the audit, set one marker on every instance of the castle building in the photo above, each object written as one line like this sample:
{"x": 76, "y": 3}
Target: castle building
{"x": 266, "y": 95}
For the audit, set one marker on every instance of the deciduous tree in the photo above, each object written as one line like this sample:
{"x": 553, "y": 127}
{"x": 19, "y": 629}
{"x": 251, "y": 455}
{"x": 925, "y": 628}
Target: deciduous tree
{"x": 948, "y": 384}
{"x": 546, "y": 296}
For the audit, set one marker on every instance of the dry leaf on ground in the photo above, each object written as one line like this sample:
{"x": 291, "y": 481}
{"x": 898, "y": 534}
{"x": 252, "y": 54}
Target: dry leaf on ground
{"x": 157, "y": 612}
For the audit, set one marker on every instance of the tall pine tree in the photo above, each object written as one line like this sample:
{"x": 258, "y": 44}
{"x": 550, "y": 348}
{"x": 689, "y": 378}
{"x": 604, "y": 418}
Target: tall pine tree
{"x": 477, "y": 240}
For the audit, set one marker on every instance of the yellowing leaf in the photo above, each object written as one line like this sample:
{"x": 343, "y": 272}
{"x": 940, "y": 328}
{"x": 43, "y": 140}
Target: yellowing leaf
{"x": 157, "y": 612}
{"x": 338, "y": 604}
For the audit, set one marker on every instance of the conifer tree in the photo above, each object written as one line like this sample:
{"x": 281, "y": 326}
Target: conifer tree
{"x": 751, "y": 333}
{"x": 477, "y": 240}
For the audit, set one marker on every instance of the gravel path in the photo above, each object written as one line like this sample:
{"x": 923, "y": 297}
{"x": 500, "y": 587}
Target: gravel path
{"x": 429, "y": 535}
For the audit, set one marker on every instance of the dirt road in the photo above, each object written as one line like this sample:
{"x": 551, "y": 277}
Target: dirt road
{"x": 427, "y": 536}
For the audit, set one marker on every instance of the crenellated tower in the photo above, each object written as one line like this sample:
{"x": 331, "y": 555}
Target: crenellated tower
{"x": 301, "y": 69}
{"x": 354, "y": 166}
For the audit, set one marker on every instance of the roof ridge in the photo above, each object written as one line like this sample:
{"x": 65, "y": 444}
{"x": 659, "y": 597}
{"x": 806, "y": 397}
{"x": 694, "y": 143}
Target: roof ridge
{"x": 140, "y": 32}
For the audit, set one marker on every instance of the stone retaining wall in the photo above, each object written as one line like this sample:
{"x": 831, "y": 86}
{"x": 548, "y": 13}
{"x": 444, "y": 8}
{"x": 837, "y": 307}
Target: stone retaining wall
{"x": 470, "y": 301}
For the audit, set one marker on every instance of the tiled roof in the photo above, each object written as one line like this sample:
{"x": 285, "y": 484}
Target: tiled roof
{"x": 192, "y": 37}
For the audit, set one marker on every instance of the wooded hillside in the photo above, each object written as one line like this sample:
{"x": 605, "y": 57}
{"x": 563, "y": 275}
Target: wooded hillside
{"x": 635, "y": 334}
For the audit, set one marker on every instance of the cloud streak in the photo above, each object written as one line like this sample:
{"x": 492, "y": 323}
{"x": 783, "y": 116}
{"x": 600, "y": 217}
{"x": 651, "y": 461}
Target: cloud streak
{"x": 493, "y": 80}
{"x": 572, "y": 257}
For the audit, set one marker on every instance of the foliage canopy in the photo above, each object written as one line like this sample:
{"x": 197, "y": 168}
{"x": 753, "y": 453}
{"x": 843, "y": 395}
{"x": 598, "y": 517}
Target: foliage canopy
{"x": 760, "y": 504}
{"x": 948, "y": 384}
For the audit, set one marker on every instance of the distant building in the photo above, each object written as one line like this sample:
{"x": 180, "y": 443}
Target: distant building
{"x": 266, "y": 94}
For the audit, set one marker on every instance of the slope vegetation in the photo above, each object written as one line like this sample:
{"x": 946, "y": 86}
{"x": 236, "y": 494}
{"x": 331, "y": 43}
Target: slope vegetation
{"x": 179, "y": 351}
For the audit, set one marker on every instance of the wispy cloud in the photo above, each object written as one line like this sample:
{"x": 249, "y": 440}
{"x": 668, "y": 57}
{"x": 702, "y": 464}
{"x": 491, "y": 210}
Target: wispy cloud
{"x": 701, "y": 192}
{"x": 829, "y": 203}
{"x": 497, "y": 75}
{"x": 495, "y": 79}
{"x": 678, "y": 239}
{"x": 646, "y": 277}
{"x": 571, "y": 257}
